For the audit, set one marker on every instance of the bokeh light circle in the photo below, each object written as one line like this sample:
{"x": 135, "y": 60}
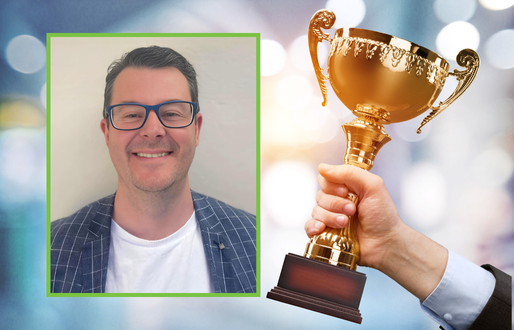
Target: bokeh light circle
{"x": 500, "y": 49}
{"x": 294, "y": 92}
{"x": 454, "y": 10}
{"x": 424, "y": 195}
{"x": 496, "y": 4}
{"x": 349, "y": 13}
{"x": 20, "y": 112}
{"x": 289, "y": 192}
{"x": 325, "y": 133}
{"x": 278, "y": 127}
{"x": 301, "y": 56}
{"x": 455, "y": 37}
{"x": 492, "y": 168}
{"x": 312, "y": 116}
{"x": 280, "y": 136}
{"x": 273, "y": 57}
{"x": 487, "y": 210}
{"x": 26, "y": 54}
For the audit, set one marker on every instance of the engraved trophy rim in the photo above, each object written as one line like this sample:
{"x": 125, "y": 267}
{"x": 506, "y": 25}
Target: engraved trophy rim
{"x": 394, "y": 41}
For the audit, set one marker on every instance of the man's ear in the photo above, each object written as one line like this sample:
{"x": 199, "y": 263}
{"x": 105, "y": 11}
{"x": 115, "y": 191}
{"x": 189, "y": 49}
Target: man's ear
{"x": 198, "y": 126}
{"x": 105, "y": 129}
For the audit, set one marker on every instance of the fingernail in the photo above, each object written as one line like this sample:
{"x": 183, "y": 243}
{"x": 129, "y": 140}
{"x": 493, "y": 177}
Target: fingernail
{"x": 317, "y": 225}
{"x": 325, "y": 167}
{"x": 340, "y": 191}
{"x": 341, "y": 220}
{"x": 348, "y": 209}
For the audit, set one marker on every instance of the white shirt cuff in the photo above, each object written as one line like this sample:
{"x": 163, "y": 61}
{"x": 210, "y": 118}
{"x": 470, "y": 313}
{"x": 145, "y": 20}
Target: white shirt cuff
{"x": 461, "y": 295}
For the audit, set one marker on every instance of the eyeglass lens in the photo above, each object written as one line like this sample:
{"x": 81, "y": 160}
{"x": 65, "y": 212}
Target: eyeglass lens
{"x": 130, "y": 116}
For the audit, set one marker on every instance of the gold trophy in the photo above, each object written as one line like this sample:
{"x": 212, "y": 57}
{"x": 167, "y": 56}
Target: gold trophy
{"x": 384, "y": 80}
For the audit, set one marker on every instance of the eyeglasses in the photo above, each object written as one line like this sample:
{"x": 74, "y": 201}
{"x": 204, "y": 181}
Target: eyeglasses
{"x": 171, "y": 114}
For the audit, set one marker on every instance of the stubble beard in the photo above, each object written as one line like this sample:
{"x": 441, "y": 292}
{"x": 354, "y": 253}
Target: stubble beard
{"x": 172, "y": 181}
{"x": 155, "y": 185}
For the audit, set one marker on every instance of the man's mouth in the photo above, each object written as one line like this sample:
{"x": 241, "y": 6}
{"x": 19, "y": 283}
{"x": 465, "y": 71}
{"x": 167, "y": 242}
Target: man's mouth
{"x": 162, "y": 154}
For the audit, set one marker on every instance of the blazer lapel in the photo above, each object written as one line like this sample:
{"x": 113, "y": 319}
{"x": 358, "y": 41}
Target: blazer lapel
{"x": 95, "y": 252}
{"x": 218, "y": 248}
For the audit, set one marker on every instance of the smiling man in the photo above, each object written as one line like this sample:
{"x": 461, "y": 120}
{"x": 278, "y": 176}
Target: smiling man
{"x": 154, "y": 234}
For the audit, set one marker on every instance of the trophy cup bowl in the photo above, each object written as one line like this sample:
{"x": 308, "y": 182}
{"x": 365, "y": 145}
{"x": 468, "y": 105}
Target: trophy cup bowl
{"x": 396, "y": 77}
{"x": 382, "y": 79}
{"x": 391, "y": 74}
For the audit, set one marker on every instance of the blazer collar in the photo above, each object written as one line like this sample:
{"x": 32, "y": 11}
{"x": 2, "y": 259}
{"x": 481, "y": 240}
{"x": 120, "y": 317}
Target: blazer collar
{"x": 101, "y": 212}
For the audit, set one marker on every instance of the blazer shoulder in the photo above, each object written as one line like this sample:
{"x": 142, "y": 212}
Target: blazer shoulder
{"x": 79, "y": 222}
{"x": 70, "y": 236}
{"x": 222, "y": 210}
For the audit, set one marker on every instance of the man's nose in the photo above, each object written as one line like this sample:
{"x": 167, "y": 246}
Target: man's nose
{"x": 153, "y": 127}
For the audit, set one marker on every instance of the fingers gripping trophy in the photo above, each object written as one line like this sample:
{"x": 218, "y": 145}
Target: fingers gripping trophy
{"x": 383, "y": 80}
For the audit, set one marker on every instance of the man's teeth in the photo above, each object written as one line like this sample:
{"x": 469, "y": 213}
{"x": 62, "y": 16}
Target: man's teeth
{"x": 162, "y": 154}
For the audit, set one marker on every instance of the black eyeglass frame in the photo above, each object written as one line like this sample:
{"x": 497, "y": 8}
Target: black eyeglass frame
{"x": 149, "y": 108}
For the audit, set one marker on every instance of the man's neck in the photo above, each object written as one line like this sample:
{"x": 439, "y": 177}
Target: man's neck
{"x": 152, "y": 215}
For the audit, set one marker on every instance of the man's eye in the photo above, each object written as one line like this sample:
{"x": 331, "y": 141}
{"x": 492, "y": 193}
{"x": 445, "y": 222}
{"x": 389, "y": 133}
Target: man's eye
{"x": 170, "y": 114}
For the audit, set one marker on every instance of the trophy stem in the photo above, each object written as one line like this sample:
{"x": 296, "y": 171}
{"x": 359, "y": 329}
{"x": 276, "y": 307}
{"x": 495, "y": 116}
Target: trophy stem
{"x": 365, "y": 136}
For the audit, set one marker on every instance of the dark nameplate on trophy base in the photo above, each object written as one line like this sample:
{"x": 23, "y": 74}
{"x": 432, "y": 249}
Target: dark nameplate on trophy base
{"x": 320, "y": 287}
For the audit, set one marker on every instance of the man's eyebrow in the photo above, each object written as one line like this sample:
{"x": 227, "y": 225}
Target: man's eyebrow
{"x": 169, "y": 100}
{"x": 127, "y": 102}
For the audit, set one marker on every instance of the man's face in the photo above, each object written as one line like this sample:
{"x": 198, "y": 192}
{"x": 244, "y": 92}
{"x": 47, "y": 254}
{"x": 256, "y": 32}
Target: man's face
{"x": 174, "y": 147}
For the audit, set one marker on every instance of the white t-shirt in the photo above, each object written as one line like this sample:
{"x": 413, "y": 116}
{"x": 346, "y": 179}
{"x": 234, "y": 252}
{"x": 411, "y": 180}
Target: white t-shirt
{"x": 174, "y": 264}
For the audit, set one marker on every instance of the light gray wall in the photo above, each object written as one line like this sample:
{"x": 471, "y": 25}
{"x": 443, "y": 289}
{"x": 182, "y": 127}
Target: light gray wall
{"x": 225, "y": 163}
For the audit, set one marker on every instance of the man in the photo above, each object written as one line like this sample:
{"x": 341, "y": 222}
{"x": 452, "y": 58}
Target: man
{"x": 154, "y": 234}
{"x": 455, "y": 292}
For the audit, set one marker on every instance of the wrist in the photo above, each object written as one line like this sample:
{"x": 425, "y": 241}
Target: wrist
{"x": 391, "y": 249}
{"x": 415, "y": 262}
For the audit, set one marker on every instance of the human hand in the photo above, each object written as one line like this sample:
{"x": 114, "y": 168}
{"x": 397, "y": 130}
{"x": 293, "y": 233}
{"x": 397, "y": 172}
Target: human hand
{"x": 378, "y": 219}
{"x": 386, "y": 242}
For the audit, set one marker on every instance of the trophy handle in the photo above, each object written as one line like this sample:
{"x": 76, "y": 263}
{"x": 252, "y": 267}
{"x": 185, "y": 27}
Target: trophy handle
{"x": 466, "y": 58}
{"x": 321, "y": 19}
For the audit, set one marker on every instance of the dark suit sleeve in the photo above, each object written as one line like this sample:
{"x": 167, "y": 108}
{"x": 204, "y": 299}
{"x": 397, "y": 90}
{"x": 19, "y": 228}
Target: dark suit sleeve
{"x": 497, "y": 313}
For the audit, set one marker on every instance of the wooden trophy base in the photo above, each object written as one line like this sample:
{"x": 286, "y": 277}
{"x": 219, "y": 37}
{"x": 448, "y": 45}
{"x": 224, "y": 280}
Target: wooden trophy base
{"x": 320, "y": 287}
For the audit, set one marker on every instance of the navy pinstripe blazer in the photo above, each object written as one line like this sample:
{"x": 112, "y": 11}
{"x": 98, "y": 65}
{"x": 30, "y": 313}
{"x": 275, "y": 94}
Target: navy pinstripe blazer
{"x": 80, "y": 246}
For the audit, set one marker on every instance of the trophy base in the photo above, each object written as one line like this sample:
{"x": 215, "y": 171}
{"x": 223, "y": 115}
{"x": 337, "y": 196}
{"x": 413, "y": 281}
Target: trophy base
{"x": 320, "y": 287}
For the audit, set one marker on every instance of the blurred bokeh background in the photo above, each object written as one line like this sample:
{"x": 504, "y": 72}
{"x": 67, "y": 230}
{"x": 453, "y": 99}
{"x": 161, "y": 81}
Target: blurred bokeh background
{"x": 453, "y": 182}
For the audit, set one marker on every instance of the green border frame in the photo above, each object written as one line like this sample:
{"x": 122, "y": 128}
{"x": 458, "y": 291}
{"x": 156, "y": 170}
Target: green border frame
{"x": 258, "y": 162}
